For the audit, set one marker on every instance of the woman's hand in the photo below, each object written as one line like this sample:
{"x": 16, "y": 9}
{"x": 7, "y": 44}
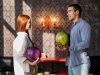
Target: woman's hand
{"x": 32, "y": 63}
{"x": 35, "y": 62}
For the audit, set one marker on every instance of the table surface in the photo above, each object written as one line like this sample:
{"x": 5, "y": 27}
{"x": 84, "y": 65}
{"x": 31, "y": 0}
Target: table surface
{"x": 63, "y": 59}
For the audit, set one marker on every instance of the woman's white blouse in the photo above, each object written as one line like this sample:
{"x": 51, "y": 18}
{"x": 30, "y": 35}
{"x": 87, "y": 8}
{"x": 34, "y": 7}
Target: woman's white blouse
{"x": 20, "y": 44}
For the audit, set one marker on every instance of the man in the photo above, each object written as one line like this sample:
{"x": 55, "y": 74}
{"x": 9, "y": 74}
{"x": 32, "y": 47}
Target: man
{"x": 78, "y": 60}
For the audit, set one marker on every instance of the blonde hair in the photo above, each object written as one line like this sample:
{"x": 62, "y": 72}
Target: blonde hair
{"x": 21, "y": 22}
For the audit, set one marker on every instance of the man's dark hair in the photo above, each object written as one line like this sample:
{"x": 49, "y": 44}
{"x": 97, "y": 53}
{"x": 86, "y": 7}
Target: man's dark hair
{"x": 76, "y": 7}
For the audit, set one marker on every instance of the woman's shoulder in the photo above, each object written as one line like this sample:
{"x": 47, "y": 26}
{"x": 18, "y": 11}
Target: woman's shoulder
{"x": 20, "y": 38}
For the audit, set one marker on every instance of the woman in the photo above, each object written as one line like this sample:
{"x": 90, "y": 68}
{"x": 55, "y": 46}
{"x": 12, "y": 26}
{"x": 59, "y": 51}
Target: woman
{"x": 20, "y": 44}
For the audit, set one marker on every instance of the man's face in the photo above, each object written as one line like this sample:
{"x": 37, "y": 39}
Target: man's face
{"x": 71, "y": 13}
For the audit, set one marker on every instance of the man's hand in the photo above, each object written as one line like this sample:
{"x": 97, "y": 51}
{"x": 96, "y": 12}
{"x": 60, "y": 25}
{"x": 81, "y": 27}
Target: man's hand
{"x": 61, "y": 48}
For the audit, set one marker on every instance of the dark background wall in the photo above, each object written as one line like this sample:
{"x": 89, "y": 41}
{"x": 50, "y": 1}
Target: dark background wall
{"x": 90, "y": 12}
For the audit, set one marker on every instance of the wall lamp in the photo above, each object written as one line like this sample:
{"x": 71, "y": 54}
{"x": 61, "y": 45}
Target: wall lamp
{"x": 49, "y": 22}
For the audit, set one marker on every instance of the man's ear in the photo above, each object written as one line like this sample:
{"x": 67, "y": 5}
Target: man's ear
{"x": 77, "y": 12}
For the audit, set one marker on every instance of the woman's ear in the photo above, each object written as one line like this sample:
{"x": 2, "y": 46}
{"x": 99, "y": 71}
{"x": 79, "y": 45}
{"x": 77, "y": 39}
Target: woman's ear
{"x": 28, "y": 25}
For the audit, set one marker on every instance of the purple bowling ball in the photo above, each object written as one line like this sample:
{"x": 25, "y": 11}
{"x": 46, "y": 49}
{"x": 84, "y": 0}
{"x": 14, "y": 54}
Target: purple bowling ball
{"x": 32, "y": 53}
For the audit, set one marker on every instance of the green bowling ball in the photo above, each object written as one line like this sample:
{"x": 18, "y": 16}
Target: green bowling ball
{"x": 62, "y": 38}
{"x": 40, "y": 73}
